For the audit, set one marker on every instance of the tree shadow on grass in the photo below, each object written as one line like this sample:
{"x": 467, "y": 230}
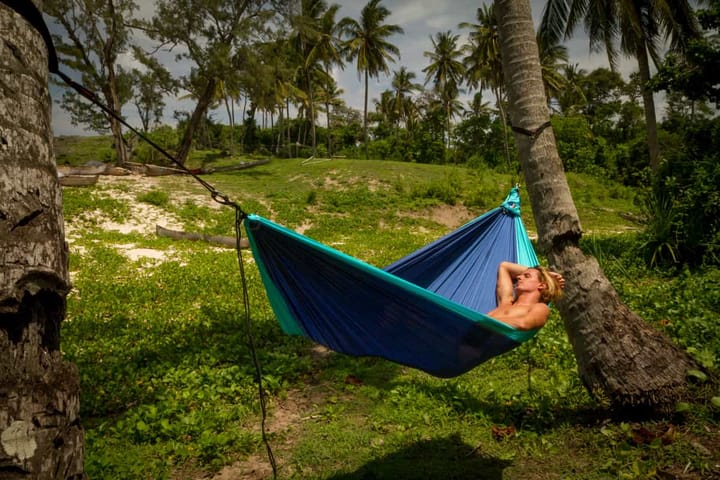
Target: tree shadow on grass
{"x": 446, "y": 458}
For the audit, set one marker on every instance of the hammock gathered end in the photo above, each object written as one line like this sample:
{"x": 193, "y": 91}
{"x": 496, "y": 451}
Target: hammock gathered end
{"x": 425, "y": 311}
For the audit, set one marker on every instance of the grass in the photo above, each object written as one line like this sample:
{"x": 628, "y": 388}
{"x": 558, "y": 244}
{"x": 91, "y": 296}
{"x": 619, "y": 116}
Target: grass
{"x": 167, "y": 373}
{"x": 78, "y": 150}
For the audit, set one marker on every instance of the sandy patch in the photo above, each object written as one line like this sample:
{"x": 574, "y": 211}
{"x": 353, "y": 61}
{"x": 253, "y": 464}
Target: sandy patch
{"x": 141, "y": 218}
{"x": 136, "y": 254}
{"x": 306, "y": 225}
{"x": 451, "y": 216}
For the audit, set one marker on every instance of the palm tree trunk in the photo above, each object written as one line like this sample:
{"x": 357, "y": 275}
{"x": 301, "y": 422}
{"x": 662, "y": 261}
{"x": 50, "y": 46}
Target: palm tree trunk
{"x": 447, "y": 126}
{"x": 327, "y": 112}
{"x": 231, "y": 119}
{"x": 280, "y": 134}
{"x": 40, "y": 432}
{"x": 272, "y": 129}
{"x": 311, "y": 112}
{"x": 365, "y": 116}
{"x": 620, "y": 358}
{"x": 289, "y": 136}
{"x": 649, "y": 106}
{"x": 329, "y": 132}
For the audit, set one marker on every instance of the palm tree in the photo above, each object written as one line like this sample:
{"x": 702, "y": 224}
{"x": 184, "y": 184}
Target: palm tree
{"x": 484, "y": 61}
{"x": 328, "y": 51}
{"x": 278, "y": 58}
{"x": 385, "y": 113}
{"x": 484, "y": 65}
{"x": 229, "y": 90}
{"x": 403, "y": 88}
{"x": 477, "y": 107}
{"x": 553, "y": 59}
{"x": 640, "y": 27}
{"x": 331, "y": 96}
{"x": 446, "y": 72}
{"x": 366, "y": 42}
{"x": 305, "y": 38}
{"x": 572, "y": 96}
{"x": 620, "y": 357}
{"x": 40, "y": 428}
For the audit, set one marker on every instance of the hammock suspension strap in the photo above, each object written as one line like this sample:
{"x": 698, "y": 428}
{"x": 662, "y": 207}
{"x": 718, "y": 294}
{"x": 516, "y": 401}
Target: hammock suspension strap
{"x": 533, "y": 134}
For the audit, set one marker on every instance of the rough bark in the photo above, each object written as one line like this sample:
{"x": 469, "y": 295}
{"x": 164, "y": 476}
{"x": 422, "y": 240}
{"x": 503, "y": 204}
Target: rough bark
{"x": 620, "y": 357}
{"x": 40, "y": 433}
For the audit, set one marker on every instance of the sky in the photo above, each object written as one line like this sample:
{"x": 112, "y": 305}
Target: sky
{"x": 420, "y": 20}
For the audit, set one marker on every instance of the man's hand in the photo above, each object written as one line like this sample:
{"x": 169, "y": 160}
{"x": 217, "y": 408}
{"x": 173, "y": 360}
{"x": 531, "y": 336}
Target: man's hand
{"x": 559, "y": 278}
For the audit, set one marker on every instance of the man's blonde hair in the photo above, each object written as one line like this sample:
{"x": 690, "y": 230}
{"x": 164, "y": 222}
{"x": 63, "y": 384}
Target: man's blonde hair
{"x": 552, "y": 290}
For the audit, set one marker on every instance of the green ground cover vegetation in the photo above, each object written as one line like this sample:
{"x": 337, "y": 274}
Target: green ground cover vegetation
{"x": 168, "y": 381}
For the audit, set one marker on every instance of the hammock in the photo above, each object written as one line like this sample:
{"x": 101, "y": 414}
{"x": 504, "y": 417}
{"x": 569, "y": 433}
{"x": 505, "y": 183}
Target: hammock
{"x": 424, "y": 311}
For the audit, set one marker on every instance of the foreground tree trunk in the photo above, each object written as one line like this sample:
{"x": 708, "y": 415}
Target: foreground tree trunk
{"x": 40, "y": 433}
{"x": 621, "y": 359}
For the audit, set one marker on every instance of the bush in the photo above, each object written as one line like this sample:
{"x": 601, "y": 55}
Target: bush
{"x": 158, "y": 198}
{"x": 684, "y": 204}
{"x": 575, "y": 143}
{"x": 446, "y": 190}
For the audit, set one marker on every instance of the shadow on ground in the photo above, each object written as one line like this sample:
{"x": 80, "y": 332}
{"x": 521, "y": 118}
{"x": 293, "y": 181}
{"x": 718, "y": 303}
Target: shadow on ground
{"x": 440, "y": 459}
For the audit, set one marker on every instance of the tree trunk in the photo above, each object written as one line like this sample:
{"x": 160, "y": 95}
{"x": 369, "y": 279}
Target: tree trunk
{"x": 112, "y": 99}
{"x": 289, "y": 139}
{"x": 198, "y": 116}
{"x": 620, "y": 358}
{"x": 40, "y": 432}
{"x": 231, "y": 121}
{"x": 649, "y": 106}
{"x": 365, "y": 116}
{"x": 311, "y": 112}
{"x": 327, "y": 112}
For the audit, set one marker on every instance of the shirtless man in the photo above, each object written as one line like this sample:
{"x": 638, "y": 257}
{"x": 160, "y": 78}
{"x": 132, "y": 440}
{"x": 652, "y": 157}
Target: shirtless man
{"x": 525, "y": 306}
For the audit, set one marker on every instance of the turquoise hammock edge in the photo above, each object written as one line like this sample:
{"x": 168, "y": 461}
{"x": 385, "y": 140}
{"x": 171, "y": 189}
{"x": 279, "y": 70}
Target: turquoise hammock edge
{"x": 417, "y": 351}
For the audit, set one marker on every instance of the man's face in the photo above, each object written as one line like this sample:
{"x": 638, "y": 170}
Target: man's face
{"x": 528, "y": 281}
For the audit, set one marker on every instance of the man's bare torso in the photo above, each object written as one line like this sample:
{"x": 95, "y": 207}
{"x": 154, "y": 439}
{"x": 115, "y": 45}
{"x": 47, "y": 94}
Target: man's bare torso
{"x": 512, "y": 314}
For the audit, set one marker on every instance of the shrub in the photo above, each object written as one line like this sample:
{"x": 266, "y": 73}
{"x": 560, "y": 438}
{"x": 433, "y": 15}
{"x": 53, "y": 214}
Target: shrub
{"x": 684, "y": 204}
{"x": 154, "y": 197}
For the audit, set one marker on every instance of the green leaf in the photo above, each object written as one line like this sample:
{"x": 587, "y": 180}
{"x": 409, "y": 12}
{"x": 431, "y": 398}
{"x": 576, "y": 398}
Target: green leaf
{"x": 715, "y": 401}
{"x": 697, "y": 374}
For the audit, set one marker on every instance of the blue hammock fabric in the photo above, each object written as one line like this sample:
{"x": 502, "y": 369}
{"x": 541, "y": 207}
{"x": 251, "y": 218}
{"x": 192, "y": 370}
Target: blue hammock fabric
{"x": 424, "y": 311}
